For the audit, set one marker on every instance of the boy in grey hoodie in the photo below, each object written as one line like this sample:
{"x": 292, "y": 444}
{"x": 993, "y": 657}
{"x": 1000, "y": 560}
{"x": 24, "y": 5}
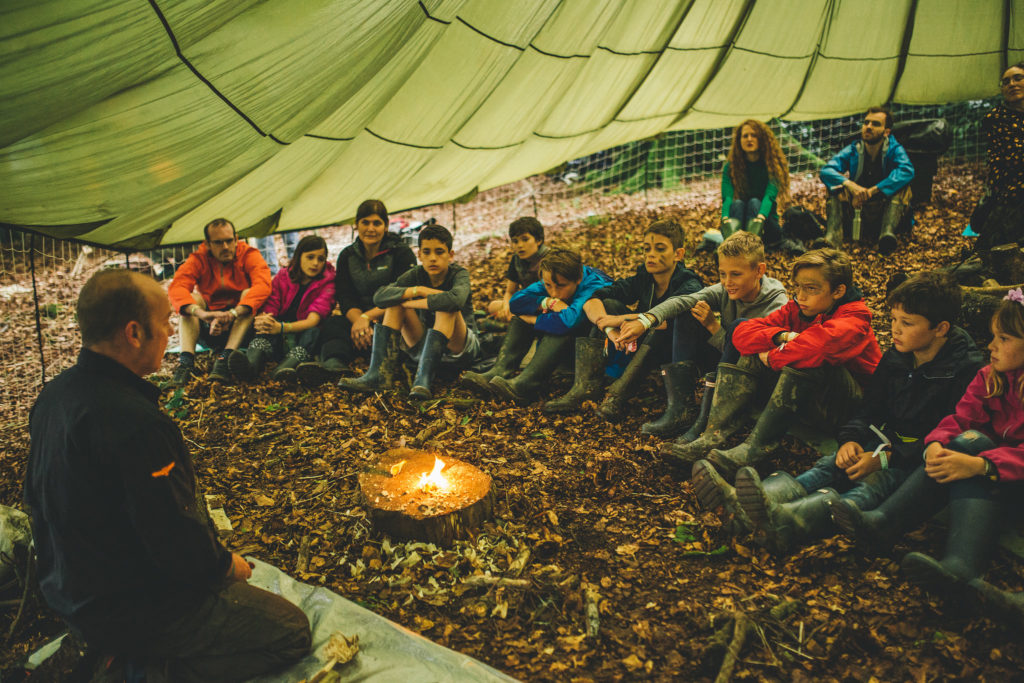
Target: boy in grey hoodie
{"x": 700, "y": 340}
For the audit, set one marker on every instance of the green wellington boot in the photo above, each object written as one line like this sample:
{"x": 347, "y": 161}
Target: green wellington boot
{"x": 383, "y": 361}
{"x": 588, "y": 381}
{"x": 622, "y": 390}
{"x": 551, "y": 349}
{"x": 715, "y": 493}
{"x": 680, "y": 409}
{"x": 514, "y": 348}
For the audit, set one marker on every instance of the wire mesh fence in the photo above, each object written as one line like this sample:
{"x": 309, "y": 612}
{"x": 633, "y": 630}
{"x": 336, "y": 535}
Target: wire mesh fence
{"x": 40, "y": 276}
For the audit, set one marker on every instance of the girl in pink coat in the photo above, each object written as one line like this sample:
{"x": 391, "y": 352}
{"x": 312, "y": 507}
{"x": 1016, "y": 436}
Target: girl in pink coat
{"x": 973, "y": 460}
{"x": 288, "y": 324}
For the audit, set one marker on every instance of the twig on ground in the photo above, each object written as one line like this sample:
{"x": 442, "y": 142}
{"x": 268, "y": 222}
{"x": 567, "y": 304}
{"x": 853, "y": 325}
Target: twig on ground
{"x": 302, "y": 563}
{"x": 592, "y": 599}
{"x": 496, "y": 581}
{"x": 732, "y": 653}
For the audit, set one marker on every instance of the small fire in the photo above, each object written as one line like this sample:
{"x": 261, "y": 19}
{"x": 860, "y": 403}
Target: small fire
{"x": 434, "y": 481}
{"x": 396, "y": 469}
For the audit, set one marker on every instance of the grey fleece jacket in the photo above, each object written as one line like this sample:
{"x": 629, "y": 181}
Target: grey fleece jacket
{"x": 772, "y": 297}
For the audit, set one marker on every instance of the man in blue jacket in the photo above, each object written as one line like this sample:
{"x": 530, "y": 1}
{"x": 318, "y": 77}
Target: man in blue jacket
{"x": 868, "y": 184}
{"x": 554, "y": 307}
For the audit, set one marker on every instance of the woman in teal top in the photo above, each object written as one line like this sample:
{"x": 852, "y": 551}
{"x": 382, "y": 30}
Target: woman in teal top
{"x": 754, "y": 181}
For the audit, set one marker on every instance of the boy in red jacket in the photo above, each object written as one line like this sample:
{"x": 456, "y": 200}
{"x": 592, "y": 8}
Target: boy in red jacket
{"x": 818, "y": 350}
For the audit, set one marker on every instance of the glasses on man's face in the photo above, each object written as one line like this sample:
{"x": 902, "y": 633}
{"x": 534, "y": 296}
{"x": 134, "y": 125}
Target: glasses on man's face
{"x": 1015, "y": 78}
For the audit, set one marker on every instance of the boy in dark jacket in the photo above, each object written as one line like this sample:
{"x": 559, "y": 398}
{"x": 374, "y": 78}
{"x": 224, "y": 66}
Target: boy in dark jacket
{"x": 431, "y": 307}
{"x": 918, "y": 382}
{"x": 660, "y": 276}
{"x": 527, "y": 237}
{"x": 553, "y": 307}
{"x": 818, "y": 349}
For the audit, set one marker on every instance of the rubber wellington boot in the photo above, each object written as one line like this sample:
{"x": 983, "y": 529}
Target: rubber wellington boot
{"x": 680, "y": 409}
{"x": 736, "y": 387}
{"x": 285, "y": 370}
{"x": 1005, "y": 605}
{"x": 833, "y": 223}
{"x": 799, "y": 521}
{"x": 313, "y": 373}
{"x": 551, "y": 349}
{"x": 730, "y": 226}
{"x": 715, "y": 493}
{"x": 701, "y": 423}
{"x": 588, "y": 381}
{"x": 625, "y": 388}
{"x": 248, "y": 365}
{"x": 794, "y": 390}
{"x": 972, "y": 534}
{"x": 514, "y": 348}
{"x": 383, "y": 358}
{"x": 759, "y": 498}
{"x": 434, "y": 344}
{"x": 875, "y": 531}
{"x": 890, "y": 219}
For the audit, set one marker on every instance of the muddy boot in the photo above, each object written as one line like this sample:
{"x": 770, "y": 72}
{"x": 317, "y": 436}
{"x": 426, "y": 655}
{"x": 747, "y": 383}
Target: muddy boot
{"x": 793, "y": 392}
{"x": 736, "y": 386}
{"x": 715, "y": 493}
{"x": 221, "y": 371}
{"x": 625, "y": 388}
{"x": 972, "y": 535}
{"x": 285, "y": 370}
{"x": 383, "y": 358}
{"x": 759, "y": 498}
{"x": 434, "y": 344}
{"x": 876, "y": 531}
{"x": 730, "y": 226}
{"x": 833, "y": 224}
{"x": 313, "y": 374}
{"x": 890, "y": 219}
{"x": 248, "y": 365}
{"x": 994, "y": 602}
{"x": 799, "y": 521}
{"x": 701, "y": 423}
{"x": 680, "y": 409}
{"x": 551, "y": 349}
{"x": 588, "y": 381}
{"x": 514, "y": 348}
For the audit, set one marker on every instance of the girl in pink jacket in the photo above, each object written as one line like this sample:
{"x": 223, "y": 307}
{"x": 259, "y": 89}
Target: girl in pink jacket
{"x": 973, "y": 460}
{"x": 288, "y": 324}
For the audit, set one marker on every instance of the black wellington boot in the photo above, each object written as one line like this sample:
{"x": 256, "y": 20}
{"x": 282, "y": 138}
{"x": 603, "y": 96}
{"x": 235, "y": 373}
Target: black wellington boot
{"x": 833, "y": 224}
{"x": 285, "y": 370}
{"x": 680, "y": 409}
{"x": 799, "y": 521}
{"x": 1005, "y": 605}
{"x": 701, "y": 423}
{"x": 514, "y": 348}
{"x": 759, "y": 498}
{"x": 736, "y": 387}
{"x": 875, "y": 531}
{"x": 249, "y": 365}
{"x": 622, "y": 390}
{"x": 793, "y": 392}
{"x": 890, "y": 219}
{"x": 383, "y": 353}
{"x": 551, "y": 350}
{"x": 715, "y": 493}
{"x": 588, "y": 380}
{"x": 972, "y": 534}
{"x": 434, "y": 344}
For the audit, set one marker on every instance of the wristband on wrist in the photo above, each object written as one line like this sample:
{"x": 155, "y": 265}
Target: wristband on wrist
{"x": 364, "y": 316}
{"x": 415, "y": 291}
{"x": 234, "y": 313}
{"x": 282, "y": 328}
{"x": 192, "y": 309}
{"x": 609, "y": 329}
{"x": 645, "y": 320}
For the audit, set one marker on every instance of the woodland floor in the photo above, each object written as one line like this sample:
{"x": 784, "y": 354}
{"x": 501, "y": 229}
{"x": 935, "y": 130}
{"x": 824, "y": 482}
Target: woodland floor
{"x": 581, "y": 505}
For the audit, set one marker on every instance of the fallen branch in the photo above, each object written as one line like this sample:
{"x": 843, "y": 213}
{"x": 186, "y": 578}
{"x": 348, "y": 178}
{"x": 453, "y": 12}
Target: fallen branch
{"x": 496, "y": 581}
{"x": 592, "y": 599}
{"x": 261, "y": 437}
{"x": 1001, "y": 290}
{"x": 732, "y": 653}
{"x": 302, "y": 564}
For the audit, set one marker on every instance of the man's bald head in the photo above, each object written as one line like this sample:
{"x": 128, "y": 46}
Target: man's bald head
{"x": 113, "y": 298}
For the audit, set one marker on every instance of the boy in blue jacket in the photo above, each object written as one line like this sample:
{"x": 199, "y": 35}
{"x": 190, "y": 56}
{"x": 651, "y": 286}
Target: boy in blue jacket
{"x": 870, "y": 178}
{"x": 554, "y": 308}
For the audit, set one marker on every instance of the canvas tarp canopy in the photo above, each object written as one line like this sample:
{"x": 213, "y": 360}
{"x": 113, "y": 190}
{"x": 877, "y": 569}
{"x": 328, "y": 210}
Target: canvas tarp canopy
{"x": 131, "y": 124}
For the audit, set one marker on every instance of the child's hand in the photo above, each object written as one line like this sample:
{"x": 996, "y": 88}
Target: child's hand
{"x": 504, "y": 314}
{"x": 608, "y": 320}
{"x": 557, "y": 306}
{"x": 848, "y": 454}
{"x": 265, "y": 324}
{"x": 865, "y": 465}
{"x": 933, "y": 450}
{"x": 704, "y": 315}
{"x": 630, "y": 331}
{"x": 362, "y": 334}
{"x": 950, "y": 466}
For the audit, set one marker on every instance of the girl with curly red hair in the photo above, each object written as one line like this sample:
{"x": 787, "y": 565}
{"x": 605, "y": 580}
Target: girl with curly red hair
{"x": 755, "y": 181}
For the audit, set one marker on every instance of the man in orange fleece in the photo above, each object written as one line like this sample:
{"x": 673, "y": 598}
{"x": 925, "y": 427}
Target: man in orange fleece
{"x": 217, "y": 290}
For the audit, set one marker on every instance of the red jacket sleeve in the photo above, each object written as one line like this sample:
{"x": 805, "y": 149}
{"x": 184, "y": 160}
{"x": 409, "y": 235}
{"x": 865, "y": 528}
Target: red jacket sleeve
{"x": 259, "y": 279}
{"x": 184, "y": 282}
{"x": 755, "y": 335}
{"x": 844, "y": 336}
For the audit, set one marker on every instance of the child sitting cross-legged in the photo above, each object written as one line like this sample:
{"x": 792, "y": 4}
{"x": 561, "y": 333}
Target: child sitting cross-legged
{"x": 553, "y": 308}
{"x": 917, "y": 382}
{"x": 817, "y": 350}
{"x": 288, "y": 324}
{"x": 661, "y": 275}
{"x": 430, "y": 307}
{"x": 973, "y": 461}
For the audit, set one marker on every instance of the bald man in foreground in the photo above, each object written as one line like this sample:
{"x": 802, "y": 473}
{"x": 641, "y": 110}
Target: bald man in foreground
{"x": 126, "y": 556}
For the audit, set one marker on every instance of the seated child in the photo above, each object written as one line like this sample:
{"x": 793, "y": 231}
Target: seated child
{"x": 661, "y": 275}
{"x": 817, "y": 349}
{"x": 287, "y": 325}
{"x": 699, "y": 340}
{"x": 553, "y": 307}
{"x": 527, "y": 237}
{"x": 917, "y": 382}
{"x": 430, "y": 306}
{"x": 973, "y": 461}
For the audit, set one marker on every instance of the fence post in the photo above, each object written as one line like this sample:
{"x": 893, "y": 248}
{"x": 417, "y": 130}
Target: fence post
{"x": 35, "y": 301}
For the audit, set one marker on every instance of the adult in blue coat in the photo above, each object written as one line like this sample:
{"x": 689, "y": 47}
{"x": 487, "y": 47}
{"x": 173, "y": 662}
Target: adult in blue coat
{"x": 868, "y": 184}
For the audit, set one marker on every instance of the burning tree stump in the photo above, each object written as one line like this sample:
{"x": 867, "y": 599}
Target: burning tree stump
{"x": 419, "y": 495}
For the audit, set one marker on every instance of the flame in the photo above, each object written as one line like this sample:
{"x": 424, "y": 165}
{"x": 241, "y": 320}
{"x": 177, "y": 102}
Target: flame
{"x": 434, "y": 481}
{"x": 397, "y": 468}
